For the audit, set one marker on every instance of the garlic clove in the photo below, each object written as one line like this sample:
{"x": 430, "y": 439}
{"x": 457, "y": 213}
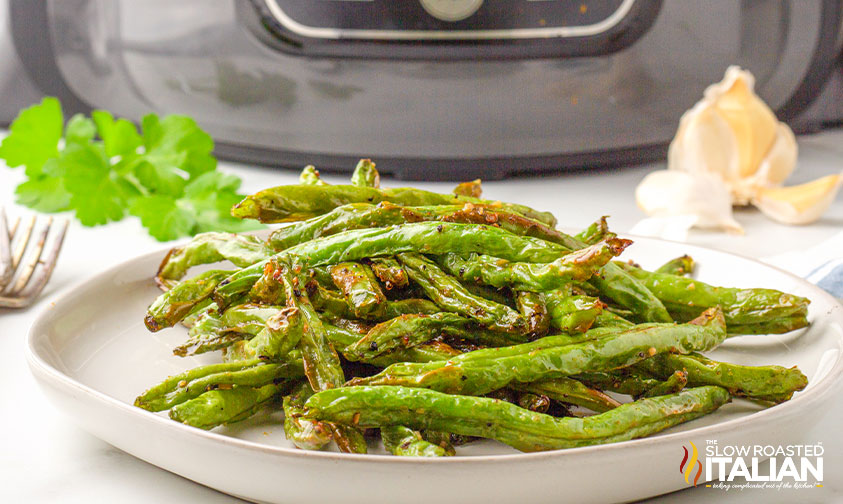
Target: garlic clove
{"x": 800, "y": 204}
{"x": 667, "y": 193}
{"x": 704, "y": 143}
{"x": 752, "y": 121}
{"x": 775, "y": 168}
{"x": 780, "y": 161}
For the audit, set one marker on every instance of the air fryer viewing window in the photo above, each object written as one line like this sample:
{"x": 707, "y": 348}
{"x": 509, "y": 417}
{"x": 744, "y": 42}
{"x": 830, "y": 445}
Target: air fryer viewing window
{"x": 451, "y": 19}
{"x": 540, "y": 27}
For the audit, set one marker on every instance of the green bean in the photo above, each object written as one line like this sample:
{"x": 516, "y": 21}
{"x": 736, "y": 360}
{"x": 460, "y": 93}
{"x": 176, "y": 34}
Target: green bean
{"x": 207, "y": 334}
{"x": 173, "y": 382}
{"x": 595, "y": 232}
{"x": 426, "y": 238}
{"x": 504, "y": 296}
{"x": 768, "y": 383}
{"x": 453, "y": 298}
{"x": 348, "y": 438}
{"x": 282, "y": 333}
{"x": 539, "y": 403}
{"x": 408, "y": 331}
{"x": 522, "y": 363}
{"x": 422, "y": 237}
{"x": 577, "y": 266}
{"x": 404, "y": 442}
{"x": 218, "y": 407}
{"x": 472, "y": 188}
{"x": 172, "y": 306}
{"x": 305, "y": 434}
{"x": 671, "y": 385}
{"x": 450, "y": 295}
{"x": 200, "y": 380}
{"x": 298, "y": 202}
{"x": 310, "y": 176}
{"x": 569, "y": 313}
{"x": 607, "y": 318}
{"x": 517, "y": 427}
{"x": 629, "y": 292}
{"x": 411, "y": 306}
{"x": 215, "y": 330}
{"x": 341, "y": 338}
{"x": 366, "y": 215}
{"x": 780, "y": 325}
{"x": 344, "y": 218}
{"x": 389, "y": 272}
{"x": 266, "y": 290}
{"x": 620, "y": 286}
{"x": 532, "y": 307}
{"x": 360, "y": 288}
{"x": 622, "y": 381}
{"x": 273, "y": 334}
{"x": 365, "y": 174}
{"x": 744, "y": 309}
{"x": 405, "y": 331}
{"x": 206, "y": 248}
{"x": 333, "y": 304}
{"x": 321, "y": 362}
{"x": 446, "y": 440}
{"x": 681, "y": 266}
{"x": 207, "y": 305}
{"x": 553, "y": 341}
{"x": 571, "y": 391}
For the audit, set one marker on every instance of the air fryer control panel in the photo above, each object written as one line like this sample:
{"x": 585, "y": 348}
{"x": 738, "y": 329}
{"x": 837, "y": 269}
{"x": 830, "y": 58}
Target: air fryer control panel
{"x": 455, "y": 28}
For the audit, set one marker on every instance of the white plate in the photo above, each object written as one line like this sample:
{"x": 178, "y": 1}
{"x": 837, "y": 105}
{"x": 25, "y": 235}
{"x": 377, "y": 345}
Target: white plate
{"x": 92, "y": 356}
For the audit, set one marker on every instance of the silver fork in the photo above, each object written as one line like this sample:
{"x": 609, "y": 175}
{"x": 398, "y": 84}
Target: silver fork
{"x": 28, "y": 255}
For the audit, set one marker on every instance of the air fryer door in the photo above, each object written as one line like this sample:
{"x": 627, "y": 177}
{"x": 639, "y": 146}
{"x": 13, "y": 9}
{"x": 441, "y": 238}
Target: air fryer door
{"x": 429, "y": 89}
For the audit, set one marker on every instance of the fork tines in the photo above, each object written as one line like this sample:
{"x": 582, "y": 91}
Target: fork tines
{"x": 29, "y": 249}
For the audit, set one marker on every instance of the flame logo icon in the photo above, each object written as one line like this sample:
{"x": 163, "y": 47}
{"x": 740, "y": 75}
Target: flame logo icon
{"x": 686, "y": 467}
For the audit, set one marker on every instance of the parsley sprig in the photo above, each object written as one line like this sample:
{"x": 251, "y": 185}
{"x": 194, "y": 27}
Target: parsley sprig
{"x": 103, "y": 168}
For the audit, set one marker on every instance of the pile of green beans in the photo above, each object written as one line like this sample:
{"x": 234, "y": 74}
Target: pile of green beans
{"x": 432, "y": 320}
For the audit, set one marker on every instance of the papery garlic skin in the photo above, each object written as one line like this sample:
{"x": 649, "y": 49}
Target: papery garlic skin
{"x": 666, "y": 193}
{"x": 733, "y": 134}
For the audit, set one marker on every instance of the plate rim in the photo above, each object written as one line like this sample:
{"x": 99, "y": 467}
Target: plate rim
{"x": 42, "y": 369}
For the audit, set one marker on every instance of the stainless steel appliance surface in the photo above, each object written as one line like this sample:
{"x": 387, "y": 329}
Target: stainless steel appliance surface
{"x": 431, "y": 89}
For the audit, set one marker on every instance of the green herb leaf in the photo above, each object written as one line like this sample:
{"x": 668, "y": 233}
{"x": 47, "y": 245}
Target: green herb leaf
{"x": 210, "y": 198}
{"x": 159, "y": 179}
{"x": 96, "y": 194}
{"x": 45, "y": 194}
{"x": 120, "y": 137}
{"x": 79, "y": 130}
{"x": 163, "y": 217}
{"x": 177, "y": 143}
{"x": 34, "y": 137}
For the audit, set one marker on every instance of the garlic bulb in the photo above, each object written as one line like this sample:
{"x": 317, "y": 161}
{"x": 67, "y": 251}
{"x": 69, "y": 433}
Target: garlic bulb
{"x": 732, "y": 133}
{"x": 731, "y": 150}
{"x": 666, "y": 193}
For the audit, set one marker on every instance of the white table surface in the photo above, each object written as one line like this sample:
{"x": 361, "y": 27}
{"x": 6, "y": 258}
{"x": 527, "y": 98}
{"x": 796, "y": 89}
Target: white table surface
{"x": 44, "y": 458}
